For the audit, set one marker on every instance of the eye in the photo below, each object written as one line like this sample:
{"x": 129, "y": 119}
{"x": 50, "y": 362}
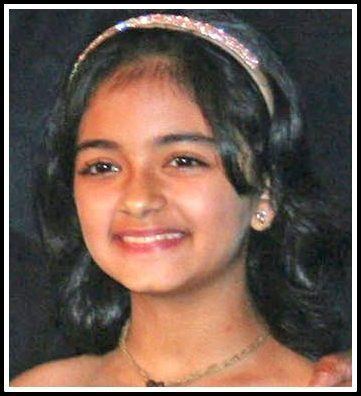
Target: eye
{"x": 185, "y": 161}
{"x": 99, "y": 168}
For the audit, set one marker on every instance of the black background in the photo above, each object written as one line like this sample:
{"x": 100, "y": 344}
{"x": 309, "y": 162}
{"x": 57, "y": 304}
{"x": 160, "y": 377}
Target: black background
{"x": 315, "y": 46}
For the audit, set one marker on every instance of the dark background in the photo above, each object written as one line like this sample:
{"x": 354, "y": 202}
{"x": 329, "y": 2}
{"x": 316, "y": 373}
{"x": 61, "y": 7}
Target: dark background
{"x": 315, "y": 46}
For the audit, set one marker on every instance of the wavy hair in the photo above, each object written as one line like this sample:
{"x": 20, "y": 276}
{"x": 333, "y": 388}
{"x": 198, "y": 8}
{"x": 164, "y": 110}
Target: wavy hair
{"x": 295, "y": 270}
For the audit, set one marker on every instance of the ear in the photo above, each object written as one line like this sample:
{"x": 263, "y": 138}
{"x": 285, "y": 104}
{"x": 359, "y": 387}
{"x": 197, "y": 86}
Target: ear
{"x": 264, "y": 213}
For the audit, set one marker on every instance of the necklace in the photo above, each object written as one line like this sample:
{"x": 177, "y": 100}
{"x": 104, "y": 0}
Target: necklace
{"x": 212, "y": 369}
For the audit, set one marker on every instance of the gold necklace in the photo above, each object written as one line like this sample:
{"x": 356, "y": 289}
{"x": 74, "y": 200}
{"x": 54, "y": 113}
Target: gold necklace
{"x": 212, "y": 369}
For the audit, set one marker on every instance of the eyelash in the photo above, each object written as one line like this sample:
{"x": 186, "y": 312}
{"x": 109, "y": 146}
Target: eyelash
{"x": 100, "y": 168}
{"x": 195, "y": 162}
{"x": 93, "y": 168}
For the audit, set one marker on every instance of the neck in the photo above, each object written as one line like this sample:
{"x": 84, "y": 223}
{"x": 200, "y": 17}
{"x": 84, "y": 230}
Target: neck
{"x": 175, "y": 334}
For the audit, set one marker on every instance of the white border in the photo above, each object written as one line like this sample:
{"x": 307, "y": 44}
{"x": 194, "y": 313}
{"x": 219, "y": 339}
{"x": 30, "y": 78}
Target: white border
{"x": 354, "y": 196}
{"x": 180, "y": 6}
{"x": 6, "y": 197}
{"x": 8, "y": 7}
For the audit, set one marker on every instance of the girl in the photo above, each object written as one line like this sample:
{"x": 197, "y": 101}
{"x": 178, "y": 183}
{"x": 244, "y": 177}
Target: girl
{"x": 178, "y": 202}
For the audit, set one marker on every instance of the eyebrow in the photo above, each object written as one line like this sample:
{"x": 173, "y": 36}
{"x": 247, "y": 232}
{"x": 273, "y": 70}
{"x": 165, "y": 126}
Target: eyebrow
{"x": 184, "y": 137}
{"x": 159, "y": 141}
{"x": 96, "y": 143}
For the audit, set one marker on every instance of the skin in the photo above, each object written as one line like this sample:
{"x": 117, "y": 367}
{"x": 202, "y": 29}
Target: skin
{"x": 189, "y": 303}
{"x": 149, "y": 189}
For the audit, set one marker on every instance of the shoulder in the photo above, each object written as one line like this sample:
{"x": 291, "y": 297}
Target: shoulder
{"x": 75, "y": 371}
{"x": 274, "y": 365}
{"x": 282, "y": 366}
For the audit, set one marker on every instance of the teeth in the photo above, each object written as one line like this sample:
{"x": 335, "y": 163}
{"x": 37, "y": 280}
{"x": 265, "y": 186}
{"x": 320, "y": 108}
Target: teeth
{"x": 153, "y": 238}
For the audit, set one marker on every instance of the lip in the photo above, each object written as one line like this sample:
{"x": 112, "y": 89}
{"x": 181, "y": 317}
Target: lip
{"x": 148, "y": 247}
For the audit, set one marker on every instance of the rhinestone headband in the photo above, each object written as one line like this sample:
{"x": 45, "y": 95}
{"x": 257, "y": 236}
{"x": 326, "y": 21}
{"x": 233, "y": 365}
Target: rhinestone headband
{"x": 204, "y": 30}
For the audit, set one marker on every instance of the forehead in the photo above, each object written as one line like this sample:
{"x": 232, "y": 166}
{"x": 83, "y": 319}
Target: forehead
{"x": 142, "y": 103}
{"x": 151, "y": 67}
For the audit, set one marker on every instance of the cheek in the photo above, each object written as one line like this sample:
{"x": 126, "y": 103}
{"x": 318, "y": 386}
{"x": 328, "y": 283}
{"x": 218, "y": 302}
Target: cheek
{"x": 95, "y": 209}
{"x": 216, "y": 208}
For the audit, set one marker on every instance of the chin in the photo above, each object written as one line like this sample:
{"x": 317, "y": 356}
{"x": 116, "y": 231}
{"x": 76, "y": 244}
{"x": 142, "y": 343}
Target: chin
{"x": 153, "y": 287}
{"x": 159, "y": 286}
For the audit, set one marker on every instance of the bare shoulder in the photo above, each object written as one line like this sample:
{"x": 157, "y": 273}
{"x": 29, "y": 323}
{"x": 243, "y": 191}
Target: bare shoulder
{"x": 75, "y": 371}
{"x": 284, "y": 367}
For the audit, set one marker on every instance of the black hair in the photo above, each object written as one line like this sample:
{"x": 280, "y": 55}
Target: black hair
{"x": 295, "y": 269}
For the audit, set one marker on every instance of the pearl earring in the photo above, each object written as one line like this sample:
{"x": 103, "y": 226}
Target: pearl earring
{"x": 261, "y": 216}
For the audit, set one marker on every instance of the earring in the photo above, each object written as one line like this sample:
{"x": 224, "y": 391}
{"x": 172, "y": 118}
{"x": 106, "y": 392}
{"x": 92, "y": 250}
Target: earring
{"x": 261, "y": 216}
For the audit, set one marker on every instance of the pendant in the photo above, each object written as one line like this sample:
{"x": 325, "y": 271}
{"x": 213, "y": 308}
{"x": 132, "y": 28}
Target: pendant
{"x": 151, "y": 382}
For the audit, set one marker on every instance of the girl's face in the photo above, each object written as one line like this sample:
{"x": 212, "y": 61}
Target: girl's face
{"x": 155, "y": 207}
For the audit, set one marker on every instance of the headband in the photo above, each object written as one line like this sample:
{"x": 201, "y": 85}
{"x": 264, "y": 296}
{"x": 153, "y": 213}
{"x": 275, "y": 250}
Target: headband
{"x": 204, "y": 30}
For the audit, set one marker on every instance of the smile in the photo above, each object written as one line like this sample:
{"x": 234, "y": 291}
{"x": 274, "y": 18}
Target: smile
{"x": 146, "y": 241}
{"x": 151, "y": 239}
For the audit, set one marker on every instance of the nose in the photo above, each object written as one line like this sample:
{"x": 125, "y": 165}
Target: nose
{"x": 141, "y": 195}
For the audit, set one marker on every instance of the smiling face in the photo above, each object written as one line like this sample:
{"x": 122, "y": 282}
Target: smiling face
{"x": 156, "y": 210}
